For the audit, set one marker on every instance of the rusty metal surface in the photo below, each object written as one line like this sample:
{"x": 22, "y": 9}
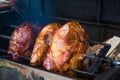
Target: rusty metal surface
{"x": 15, "y": 71}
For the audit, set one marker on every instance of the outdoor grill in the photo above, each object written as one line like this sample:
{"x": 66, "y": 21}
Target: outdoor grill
{"x": 100, "y": 19}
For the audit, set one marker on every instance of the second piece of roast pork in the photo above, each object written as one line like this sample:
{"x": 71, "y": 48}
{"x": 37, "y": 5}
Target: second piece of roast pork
{"x": 43, "y": 43}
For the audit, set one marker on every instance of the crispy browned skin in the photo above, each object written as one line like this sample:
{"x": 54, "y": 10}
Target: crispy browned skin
{"x": 67, "y": 49}
{"x": 42, "y": 43}
{"x": 21, "y": 41}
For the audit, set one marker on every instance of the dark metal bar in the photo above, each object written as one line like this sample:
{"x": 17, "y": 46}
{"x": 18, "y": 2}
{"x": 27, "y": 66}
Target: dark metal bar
{"x": 1, "y": 50}
{"x": 5, "y": 11}
{"x": 94, "y": 67}
{"x": 42, "y": 7}
{"x": 99, "y": 11}
{"x": 4, "y": 36}
{"x": 86, "y": 22}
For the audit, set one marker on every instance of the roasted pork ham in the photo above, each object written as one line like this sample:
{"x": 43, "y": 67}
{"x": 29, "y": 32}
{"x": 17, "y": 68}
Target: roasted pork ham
{"x": 43, "y": 43}
{"x": 21, "y": 41}
{"x": 68, "y": 47}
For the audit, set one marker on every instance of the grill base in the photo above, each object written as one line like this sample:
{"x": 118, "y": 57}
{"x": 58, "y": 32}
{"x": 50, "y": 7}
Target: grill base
{"x": 18, "y": 71}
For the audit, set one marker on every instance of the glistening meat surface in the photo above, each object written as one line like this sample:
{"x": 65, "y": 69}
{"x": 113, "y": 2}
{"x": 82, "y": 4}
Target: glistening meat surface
{"x": 68, "y": 46}
{"x": 21, "y": 41}
{"x": 43, "y": 43}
